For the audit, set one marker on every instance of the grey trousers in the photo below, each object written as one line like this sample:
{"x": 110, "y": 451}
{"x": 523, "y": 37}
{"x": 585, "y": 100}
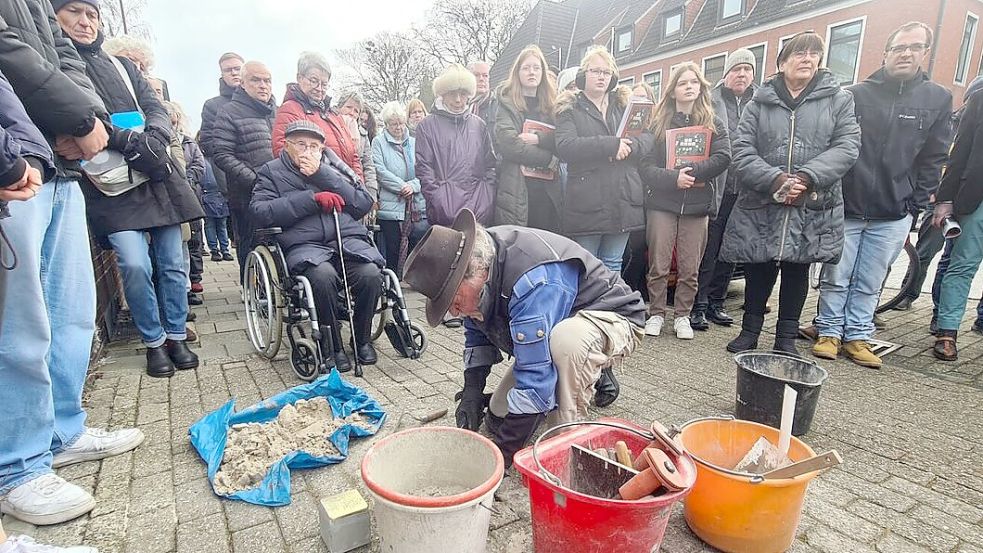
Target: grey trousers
{"x": 580, "y": 346}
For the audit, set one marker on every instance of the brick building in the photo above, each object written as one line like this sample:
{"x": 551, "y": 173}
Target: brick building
{"x": 649, "y": 38}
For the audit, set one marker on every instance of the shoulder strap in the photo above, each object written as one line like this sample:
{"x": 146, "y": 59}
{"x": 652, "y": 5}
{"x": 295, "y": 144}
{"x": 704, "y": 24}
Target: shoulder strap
{"x": 126, "y": 80}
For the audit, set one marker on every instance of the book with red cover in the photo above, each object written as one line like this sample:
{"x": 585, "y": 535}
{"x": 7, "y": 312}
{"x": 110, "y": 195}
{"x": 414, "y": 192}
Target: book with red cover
{"x": 636, "y": 117}
{"x": 544, "y": 173}
{"x": 686, "y": 146}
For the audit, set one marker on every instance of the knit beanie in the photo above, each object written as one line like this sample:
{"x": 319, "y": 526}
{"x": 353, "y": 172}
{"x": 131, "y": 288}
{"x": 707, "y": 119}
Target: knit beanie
{"x": 565, "y": 78}
{"x": 59, "y": 4}
{"x": 738, "y": 57}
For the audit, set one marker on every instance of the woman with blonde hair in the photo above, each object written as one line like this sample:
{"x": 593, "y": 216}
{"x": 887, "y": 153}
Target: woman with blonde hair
{"x": 603, "y": 199}
{"x": 527, "y": 96}
{"x": 680, "y": 199}
{"x": 415, "y": 112}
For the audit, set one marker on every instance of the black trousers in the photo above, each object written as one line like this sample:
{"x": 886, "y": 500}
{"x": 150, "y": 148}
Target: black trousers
{"x": 715, "y": 274}
{"x": 194, "y": 250}
{"x": 391, "y": 234}
{"x": 244, "y": 237}
{"x": 365, "y": 280}
{"x": 759, "y": 281}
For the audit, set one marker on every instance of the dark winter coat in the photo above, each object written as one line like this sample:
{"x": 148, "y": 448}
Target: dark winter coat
{"x": 209, "y": 112}
{"x": 823, "y": 147}
{"x": 152, "y": 204}
{"x": 962, "y": 183}
{"x": 906, "y": 138}
{"x": 242, "y": 142}
{"x": 512, "y": 198}
{"x": 285, "y": 198}
{"x": 602, "y": 196}
{"x": 21, "y": 144}
{"x": 194, "y": 161}
{"x": 456, "y": 166}
{"x": 212, "y": 199}
{"x": 46, "y": 73}
{"x": 729, "y": 109}
{"x": 661, "y": 191}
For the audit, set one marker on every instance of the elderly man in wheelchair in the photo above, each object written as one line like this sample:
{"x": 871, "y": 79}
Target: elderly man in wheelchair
{"x": 300, "y": 193}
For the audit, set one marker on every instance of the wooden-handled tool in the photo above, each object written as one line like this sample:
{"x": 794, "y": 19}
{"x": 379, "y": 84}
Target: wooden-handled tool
{"x": 822, "y": 461}
{"x": 623, "y": 453}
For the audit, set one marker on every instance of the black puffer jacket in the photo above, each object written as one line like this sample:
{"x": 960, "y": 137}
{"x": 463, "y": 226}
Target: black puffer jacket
{"x": 824, "y": 145}
{"x": 242, "y": 142}
{"x": 906, "y": 137}
{"x": 661, "y": 191}
{"x": 511, "y": 195}
{"x": 729, "y": 109}
{"x": 602, "y": 196}
{"x": 46, "y": 73}
{"x": 209, "y": 112}
{"x": 963, "y": 181}
{"x": 285, "y": 198}
{"x": 152, "y": 204}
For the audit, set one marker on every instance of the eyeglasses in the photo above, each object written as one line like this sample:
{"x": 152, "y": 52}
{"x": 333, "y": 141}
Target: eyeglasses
{"x": 916, "y": 48}
{"x": 600, "y": 72}
{"x": 394, "y": 124}
{"x": 316, "y": 83}
{"x": 803, "y": 54}
{"x": 233, "y": 69}
{"x": 313, "y": 147}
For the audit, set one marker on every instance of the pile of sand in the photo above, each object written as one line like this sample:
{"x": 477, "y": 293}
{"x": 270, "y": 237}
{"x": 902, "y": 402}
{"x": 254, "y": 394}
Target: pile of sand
{"x": 252, "y": 448}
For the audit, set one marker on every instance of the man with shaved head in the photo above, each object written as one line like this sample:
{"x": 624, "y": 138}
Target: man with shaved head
{"x": 241, "y": 138}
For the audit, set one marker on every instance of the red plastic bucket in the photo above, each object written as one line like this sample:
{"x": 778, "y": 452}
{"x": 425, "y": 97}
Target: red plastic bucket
{"x": 565, "y": 521}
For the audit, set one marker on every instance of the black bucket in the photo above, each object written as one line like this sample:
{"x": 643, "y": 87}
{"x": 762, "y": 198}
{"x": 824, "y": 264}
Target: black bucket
{"x": 761, "y": 380}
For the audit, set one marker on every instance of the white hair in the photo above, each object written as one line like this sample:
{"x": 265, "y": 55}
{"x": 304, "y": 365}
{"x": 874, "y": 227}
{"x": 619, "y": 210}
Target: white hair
{"x": 132, "y": 48}
{"x": 312, "y": 60}
{"x": 483, "y": 254}
{"x": 393, "y": 110}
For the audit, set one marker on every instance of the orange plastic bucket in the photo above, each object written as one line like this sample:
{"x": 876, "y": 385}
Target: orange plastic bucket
{"x": 736, "y": 512}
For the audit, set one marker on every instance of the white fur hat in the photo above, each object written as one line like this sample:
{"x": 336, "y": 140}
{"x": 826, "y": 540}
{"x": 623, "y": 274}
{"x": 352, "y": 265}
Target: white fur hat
{"x": 455, "y": 77}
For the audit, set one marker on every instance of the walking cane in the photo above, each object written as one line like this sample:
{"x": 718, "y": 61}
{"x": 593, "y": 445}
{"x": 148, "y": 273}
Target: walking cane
{"x": 348, "y": 294}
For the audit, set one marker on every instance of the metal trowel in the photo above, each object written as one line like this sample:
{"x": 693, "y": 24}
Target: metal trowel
{"x": 596, "y": 475}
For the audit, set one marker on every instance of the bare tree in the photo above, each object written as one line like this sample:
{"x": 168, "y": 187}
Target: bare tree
{"x": 386, "y": 67}
{"x": 115, "y": 12}
{"x": 463, "y": 31}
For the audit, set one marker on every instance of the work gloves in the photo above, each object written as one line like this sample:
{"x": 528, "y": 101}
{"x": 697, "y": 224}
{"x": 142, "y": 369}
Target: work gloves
{"x": 472, "y": 399}
{"x": 147, "y": 152}
{"x": 329, "y": 201}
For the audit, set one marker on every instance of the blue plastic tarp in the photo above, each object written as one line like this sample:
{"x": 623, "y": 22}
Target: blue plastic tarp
{"x": 209, "y": 434}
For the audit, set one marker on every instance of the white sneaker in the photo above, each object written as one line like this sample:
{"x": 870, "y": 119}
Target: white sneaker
{"x": 683, "y": 330}
{"x": 47, "y": 499}
{"x": 26, "y": 544}
{"x": 653, "y": 326}
{"x": 95, "y": 444}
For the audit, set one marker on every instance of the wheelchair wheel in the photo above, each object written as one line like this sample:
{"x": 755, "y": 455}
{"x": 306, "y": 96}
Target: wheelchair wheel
{"x": 381, "y": 316}
{"x": 303, "y": 359}
{"x": 263, "y": 302}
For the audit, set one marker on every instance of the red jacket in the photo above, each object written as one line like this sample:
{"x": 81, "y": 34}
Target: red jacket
{"x": 296, "y": 105}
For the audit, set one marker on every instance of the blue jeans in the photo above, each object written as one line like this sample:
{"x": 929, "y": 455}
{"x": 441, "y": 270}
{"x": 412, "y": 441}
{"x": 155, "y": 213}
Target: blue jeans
{"x": 217, "y": 234}
{"x": 849, "y": 290}
{"x": 609, "y": 248}
{"x": 964, "y": 260}
{"x": 49, "y": 319}
{"x": 147, "y": 292}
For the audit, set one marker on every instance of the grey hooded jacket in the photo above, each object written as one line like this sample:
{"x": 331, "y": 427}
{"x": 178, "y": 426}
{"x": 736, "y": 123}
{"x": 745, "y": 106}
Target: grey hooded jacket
{"x": 822, "y": 139}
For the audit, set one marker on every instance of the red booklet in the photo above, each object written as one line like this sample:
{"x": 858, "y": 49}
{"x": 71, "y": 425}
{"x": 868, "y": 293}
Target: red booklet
{"x": 544, "y": 173}
{"x": 686, "y": 146}
{"x": 636, "y": 117}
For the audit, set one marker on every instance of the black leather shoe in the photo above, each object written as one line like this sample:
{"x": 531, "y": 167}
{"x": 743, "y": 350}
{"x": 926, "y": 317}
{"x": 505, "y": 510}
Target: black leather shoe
{"x": 718, "y": 316}
{"x": 227, "y": 257}
{"x": 342, "y": 362}
{"x": 216, "y": 256}
{"x": 904, "y": 305}
{"x": 453, "y": 322}
{"x": 194, "y": 299}
{"x": 606, "y": 388}
{"x": 698, "y": 321}
{"x": 158, "y": 363}
{"x": 181, "y": 355}
{"x": 366, "y": 354}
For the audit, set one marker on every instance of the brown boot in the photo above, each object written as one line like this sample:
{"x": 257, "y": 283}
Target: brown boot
{"x": 859, "y": 352}
{"x": 826, "y": 347}
{"x": 945, "y": 346}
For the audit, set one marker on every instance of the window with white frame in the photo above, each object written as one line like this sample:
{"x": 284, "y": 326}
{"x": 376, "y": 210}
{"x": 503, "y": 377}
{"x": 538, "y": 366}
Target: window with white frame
{"x": 730, "y": 9}
{"x": 843, "y": 51}
{"x": 628, "y": 81}
{"x": 713, "y": 68}
{"x": 654, "y": 79}
{"x": 966, "y": 48}
{"x": 672, "y": 24}
{"x": 623, "y": 41}
{"x": 759, "y": 62}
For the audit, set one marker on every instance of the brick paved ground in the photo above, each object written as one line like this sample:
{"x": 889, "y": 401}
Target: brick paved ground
{"x": 910, "y": 435}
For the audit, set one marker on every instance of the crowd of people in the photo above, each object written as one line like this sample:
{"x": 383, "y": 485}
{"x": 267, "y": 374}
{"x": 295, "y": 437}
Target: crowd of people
{"x": 797, "y": 171}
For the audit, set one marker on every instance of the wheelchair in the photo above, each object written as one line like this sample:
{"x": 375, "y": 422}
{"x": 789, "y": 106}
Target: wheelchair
{"x": 275, "y": 298}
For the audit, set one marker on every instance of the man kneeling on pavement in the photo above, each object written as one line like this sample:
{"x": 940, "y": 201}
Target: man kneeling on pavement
{"x": 540, "y": 298}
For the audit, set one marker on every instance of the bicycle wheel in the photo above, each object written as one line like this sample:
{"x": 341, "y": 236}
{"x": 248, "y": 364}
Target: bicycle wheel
{"x": 909, "y": 256}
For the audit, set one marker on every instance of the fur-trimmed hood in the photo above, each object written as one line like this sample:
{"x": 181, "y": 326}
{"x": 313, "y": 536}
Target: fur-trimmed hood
{"x": 566, "y": 99}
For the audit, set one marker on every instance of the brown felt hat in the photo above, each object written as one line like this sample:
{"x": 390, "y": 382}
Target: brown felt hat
{"x": 437, "y": 266}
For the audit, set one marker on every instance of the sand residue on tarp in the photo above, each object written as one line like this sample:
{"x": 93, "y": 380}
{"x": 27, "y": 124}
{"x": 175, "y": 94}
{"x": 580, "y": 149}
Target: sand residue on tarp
{"x": 252, "y": 448}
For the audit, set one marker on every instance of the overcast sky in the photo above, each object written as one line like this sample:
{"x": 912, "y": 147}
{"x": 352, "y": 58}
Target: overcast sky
{"x": 190, "y": 35}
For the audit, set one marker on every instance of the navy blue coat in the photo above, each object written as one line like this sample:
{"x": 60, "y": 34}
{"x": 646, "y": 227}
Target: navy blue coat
{"x": 283, "y": 197}
{"x": 21, "y": 143}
